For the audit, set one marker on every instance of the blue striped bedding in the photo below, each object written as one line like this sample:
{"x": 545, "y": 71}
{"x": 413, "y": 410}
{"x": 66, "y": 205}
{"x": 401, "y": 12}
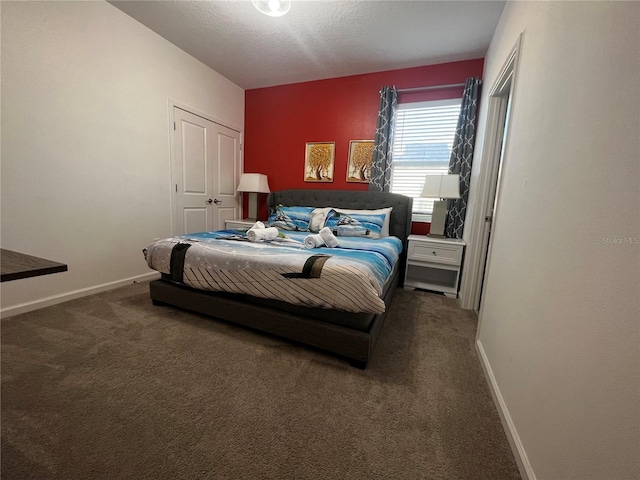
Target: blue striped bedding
{"x": 349, "y": 277}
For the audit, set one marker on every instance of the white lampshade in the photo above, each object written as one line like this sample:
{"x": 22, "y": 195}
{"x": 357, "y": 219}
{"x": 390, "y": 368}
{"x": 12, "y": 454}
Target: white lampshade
{"x": 441, "y": 186}
{"x": 253, "y": 182}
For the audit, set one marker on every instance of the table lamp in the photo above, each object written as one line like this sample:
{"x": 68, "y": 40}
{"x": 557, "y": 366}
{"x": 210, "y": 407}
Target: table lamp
{"x": 441, "y": 187}
{"x": 253, "y": 183}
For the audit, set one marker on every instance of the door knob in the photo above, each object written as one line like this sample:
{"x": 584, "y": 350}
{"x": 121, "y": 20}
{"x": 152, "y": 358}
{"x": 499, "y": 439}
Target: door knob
{"x": 217, "y": 202}
{"x": 209, "y": 202}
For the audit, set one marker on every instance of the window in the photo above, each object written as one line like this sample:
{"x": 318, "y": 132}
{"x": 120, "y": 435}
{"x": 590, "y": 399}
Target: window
{"x": 422, "y": 144}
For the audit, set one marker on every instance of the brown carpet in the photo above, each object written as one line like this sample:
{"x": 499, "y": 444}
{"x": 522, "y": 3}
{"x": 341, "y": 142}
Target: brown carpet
{"x": 111, "y": 387}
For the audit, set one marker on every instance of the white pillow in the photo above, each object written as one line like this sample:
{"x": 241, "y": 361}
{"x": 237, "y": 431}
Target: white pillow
{"x": 317, "y": 218}
{"x": 386, "y": 211}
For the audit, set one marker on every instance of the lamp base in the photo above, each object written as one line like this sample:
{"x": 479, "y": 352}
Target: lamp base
{"x": 253, "y": 206}
{"x": 438, "y": 219}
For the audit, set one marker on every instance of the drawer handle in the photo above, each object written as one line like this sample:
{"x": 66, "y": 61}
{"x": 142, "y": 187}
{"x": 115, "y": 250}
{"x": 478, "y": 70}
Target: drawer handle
{"x": 434, "y": 253}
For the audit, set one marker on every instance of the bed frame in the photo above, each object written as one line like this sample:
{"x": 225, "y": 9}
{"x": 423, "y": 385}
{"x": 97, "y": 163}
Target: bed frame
{"x": 302, "y": 324}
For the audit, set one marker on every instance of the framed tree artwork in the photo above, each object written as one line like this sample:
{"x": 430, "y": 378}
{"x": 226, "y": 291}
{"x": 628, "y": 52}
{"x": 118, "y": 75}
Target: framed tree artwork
{"x": 318, "y": 162}
{"x": 360, "y": 156}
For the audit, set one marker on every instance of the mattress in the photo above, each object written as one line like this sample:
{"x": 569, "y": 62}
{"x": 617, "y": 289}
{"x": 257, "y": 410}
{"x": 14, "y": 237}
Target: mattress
{"x": 350, "y": 277}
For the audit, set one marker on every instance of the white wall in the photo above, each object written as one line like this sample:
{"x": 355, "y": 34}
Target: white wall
{"x": 560, "y": 321}
{"x": 85, "y": 140}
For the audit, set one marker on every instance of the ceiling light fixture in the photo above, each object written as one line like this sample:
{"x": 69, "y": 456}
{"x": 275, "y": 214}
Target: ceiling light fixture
{"x": 273, "y": 8}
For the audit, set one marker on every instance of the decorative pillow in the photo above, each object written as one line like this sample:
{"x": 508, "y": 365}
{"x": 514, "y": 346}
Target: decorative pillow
{"x": 291, "y": 218}
{"x": 384, "y": 211}
{"x": 355, "y": 224}
{"x": 318, "y": 217}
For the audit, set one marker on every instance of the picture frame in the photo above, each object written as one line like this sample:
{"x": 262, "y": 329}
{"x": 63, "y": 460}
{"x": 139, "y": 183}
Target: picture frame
{"x": 319, "y": 161}
{"x": 359, "y": 165}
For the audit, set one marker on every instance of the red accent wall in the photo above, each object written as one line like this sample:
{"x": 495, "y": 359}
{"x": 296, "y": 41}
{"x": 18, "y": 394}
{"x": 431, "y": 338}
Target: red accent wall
{"x": 280, "y": 120}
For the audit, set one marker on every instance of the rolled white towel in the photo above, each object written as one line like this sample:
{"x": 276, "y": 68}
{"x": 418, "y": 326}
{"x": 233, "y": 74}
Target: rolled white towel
{"x": 313, "y": 241}
{"x": 258, "y": 225}
{"x": 329, "y": 238}
{"x": 262, "y": 234}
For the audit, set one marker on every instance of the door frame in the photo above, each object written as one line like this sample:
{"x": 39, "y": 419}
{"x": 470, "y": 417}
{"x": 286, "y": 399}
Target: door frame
{"x": 478, "y": 252}
{"x": 172, "y": 103}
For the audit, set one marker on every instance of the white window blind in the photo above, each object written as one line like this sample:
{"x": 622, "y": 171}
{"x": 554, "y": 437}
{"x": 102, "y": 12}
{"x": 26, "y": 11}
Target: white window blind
{"x": 422, "y": 144}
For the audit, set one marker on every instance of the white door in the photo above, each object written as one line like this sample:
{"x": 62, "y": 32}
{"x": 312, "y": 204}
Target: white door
{"x": 502, "y": 129}
{"x": 206, "y": 160}
{"x": 496, "y": 138}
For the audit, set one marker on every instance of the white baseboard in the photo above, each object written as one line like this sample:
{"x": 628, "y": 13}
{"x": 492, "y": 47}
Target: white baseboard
{"x": 526, "y": 472}
{"x": 64, "y": 297}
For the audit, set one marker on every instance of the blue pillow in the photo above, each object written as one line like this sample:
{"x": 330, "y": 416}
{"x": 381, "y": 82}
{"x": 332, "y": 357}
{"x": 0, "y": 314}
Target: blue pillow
{"x": 355, "y": 224}
{"x": 290, "y": 218}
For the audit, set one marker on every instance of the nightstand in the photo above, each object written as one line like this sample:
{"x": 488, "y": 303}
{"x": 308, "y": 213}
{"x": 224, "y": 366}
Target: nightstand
{"x": 244, "y": 224}
{"x": 434, "y": 264}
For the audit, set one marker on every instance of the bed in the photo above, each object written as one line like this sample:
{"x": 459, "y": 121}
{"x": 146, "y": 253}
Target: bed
{"x": 351, "y": 335}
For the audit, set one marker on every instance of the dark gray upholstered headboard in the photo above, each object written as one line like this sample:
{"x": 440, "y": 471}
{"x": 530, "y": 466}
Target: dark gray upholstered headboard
{"x": 399, "y": 226}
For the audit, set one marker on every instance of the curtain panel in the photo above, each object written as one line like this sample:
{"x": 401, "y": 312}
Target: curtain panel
{"x": 381, "y": 161}
{"x": 462, "y": 157}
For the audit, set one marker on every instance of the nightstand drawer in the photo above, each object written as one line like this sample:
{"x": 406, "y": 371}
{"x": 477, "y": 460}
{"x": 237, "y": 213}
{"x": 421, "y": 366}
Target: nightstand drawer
{"x": 238, "y": 224}
{"x": 434, "y": 253}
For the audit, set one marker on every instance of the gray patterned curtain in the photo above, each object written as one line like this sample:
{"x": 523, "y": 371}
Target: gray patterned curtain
{"x": 381, "y": 162}
{"x": 462, "y": 157}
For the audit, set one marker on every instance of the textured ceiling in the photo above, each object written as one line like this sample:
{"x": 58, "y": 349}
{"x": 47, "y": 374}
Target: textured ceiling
{"x": 320, "y": 39}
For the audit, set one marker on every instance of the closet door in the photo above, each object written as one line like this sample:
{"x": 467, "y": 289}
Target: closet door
{"x": 206, "y": 160}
